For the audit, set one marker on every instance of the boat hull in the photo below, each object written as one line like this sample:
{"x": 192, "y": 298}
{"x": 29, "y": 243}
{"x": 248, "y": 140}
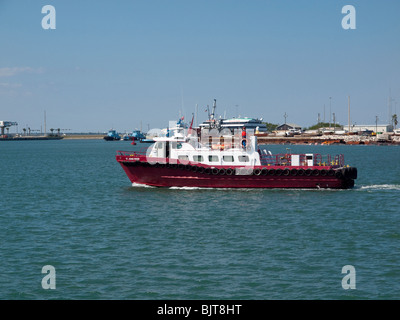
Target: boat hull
{"x": 179, "y": 175}
{"x": 108, "y": 138}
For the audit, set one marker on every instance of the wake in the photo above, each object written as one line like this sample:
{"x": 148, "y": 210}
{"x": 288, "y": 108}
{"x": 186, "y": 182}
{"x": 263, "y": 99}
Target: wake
{"x": 377, "y": 187}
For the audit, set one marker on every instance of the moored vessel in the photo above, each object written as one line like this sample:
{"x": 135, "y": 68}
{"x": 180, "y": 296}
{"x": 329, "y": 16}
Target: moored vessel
{"x": 112, "y": 135}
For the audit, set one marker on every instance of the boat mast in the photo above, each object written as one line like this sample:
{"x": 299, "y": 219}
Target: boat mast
{"x": 213, "y": 111}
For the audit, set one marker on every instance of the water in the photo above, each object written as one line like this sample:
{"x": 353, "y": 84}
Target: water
{"x": 69, "y": 204}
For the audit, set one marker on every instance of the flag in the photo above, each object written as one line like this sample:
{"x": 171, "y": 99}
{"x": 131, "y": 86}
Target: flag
{"x": 190, "y": 131}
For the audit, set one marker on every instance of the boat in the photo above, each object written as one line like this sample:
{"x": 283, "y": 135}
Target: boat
{"x": 218, "y": 159}
{"x": 30, "y": 138}
{"x": 233, "y": 123}
{"x": 112, "y": 135}
{"x": 128, "y": 137}
{"x": 138, "y": 135}
{"x": 145, "y": 140}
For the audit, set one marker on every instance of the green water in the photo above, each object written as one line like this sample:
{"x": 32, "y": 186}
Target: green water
{"x": 69, "y": 204}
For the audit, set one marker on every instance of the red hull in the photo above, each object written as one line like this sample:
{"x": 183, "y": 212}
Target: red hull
{"x": 195, "y": 175}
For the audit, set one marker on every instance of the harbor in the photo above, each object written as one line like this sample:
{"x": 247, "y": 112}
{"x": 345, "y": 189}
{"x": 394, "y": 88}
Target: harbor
{"x": 391, "y": 138}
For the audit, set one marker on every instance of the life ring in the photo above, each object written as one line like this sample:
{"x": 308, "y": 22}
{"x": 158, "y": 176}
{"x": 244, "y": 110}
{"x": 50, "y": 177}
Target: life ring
{"x": 257, "y": 172}
{"x": 353, "y": 173}
{"x": 293, "y": 172}
{"x": 338, "y": 174}
{"x": 229, "y": 171}
{"x": 286, "y": 172}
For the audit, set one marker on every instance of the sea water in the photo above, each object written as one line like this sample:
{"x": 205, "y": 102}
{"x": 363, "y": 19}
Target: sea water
{"x": 68, "y": 204}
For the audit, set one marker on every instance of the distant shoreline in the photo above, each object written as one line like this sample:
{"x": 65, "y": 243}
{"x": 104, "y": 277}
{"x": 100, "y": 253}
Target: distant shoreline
{"x": 84, "y": 136}
{"x": 265, "y": 140}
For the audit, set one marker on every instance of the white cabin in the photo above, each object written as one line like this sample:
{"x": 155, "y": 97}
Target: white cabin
{"x": 221, "y": 151}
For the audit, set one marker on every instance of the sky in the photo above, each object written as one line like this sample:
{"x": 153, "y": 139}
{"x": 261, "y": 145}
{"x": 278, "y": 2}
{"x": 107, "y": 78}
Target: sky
{"x": 138, "y": 64}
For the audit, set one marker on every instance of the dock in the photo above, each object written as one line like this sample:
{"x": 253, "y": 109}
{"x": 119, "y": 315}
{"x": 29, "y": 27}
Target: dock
{"x": 29, "y": 138}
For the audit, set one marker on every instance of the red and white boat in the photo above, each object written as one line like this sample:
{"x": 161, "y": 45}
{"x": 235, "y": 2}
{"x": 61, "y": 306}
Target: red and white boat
{"x": 219, "y": 160}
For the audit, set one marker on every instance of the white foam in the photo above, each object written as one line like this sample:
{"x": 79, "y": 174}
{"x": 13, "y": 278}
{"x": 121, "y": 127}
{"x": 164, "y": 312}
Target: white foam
{"x": 381, "y": 187}
{"x": 141, "y": 185}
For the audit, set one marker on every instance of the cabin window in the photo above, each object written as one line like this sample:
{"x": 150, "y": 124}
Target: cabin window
{"x": 227, "y": 158}
{"x": 213, "y": 158}
{"x": 198, "y": 158}
{"x": 176, "y": 145}
{"x": 183, "y": 158}
{"x": 243, "y": 159}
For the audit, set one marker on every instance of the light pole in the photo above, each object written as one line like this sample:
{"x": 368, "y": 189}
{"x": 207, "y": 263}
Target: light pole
{"x": 285, "y": 116}
{"x": 334, "y": 123}
{"x": 330, "y": 99}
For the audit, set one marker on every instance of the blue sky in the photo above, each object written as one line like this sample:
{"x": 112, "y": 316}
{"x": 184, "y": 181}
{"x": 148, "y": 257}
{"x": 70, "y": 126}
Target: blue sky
{"x": 123, "y": 64}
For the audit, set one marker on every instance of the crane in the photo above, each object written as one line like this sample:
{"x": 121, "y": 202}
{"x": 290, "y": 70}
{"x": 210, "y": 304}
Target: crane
{"x": 6, "y": 124}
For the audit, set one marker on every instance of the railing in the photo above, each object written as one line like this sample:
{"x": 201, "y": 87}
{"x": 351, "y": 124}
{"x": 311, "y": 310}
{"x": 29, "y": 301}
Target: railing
{"x": 141, "y": 152}
{"x": 283, "y": 159}
{"x": 286, "y": 160}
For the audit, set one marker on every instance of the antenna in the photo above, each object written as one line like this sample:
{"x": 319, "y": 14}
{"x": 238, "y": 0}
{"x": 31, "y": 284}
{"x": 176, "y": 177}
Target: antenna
{"x": 183, "y": 107}
{"x": 197, "y": 114}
